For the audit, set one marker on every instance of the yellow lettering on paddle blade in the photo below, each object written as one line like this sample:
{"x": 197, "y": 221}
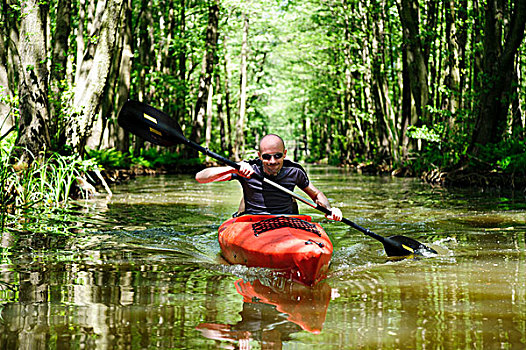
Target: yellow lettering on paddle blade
{"x": 150, "y": 118}
{"x": 156, "y": 131}
{"x": 408, "y": 249}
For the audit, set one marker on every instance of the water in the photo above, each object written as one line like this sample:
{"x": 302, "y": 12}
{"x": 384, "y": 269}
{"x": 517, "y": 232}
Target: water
{"x": 143, "y": 271}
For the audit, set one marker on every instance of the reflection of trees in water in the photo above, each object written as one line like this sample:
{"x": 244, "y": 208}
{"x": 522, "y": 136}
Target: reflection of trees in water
{"x": 473, "y": 301}
{"x": 55, "y": 295}
{"x": 97, "y": 298}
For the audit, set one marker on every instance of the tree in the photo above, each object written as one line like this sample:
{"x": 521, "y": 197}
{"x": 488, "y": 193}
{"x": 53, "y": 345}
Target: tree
{"x": 498, "y": 69}
{"x": 8, "y": 57}
{"x": 239, "y": 141}
{"x": 347, "y": 81}
{"x": 388, "y": 137}
{"x": 208, "y": 65}
{"x": 57, "y": 84}
{"x": 415, "y": 58}
{"x": 93, "y": 73}
{"x": 33, "y": 134}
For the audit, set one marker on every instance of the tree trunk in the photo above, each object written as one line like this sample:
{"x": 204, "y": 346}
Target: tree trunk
{"x": 451, "y": 100}
{"x": 180, "y": 97}
{"x": 145, "y": 45}
{"x": 122, "y": 140}
{"x": 517, "y": 124}
{"x": 209, "y": 116}
{"x": 430, "y": 37}
{"x": 416, "y": 60}
{"x": 223, "y": 127}
{"x": 58, "y": 70}
{"x": 239, "y": 142}
{"x": 93, "y": 78}
{"x": 145, "y": 48}
{"x": 80, "y": 37}
{"x": 205, "y": 81}
{"x": 102, "y": 134}
{"x": 349, "y": 117}
{"x": 8, "y": 59}
{"x": 498, "y": 71}
{"x": 228, "y": 128}
{"x": 407, "y": 106}
{"x": 200, "y": 108}
{"x": 462, "y": 40}
{"x": 167, "y": 52}
{"x": 385, "y": 116}
{"x": 33, "y": 136}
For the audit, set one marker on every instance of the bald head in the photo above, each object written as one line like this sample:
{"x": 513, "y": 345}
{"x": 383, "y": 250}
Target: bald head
{"x": 272, "y": 152}
{"x": 271, "y": 140}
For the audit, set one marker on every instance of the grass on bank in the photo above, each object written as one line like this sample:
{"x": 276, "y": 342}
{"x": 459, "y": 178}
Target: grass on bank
{"x": 38, "y": 196}
{"x": 38, "y": 190}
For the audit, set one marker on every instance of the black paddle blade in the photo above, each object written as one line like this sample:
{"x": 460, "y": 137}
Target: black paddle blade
{"x": 404, "y": 246}
{"x": 150, "y": 124}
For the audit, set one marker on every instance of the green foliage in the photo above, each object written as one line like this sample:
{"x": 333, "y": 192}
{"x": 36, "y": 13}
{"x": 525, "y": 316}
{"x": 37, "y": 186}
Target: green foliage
{"x": 152, "y": 158}
{"x": 35, "y": 190}
{"x": 435, "y": 156}
{"x": 65, "y": 113}
{"x": 437, "y": 152}
{"x": 508, "y": 156}
{"x": 49, "y": 181}
{"x": 329, "y": 73}
{"x": 109, "y": 158}
{"x": 6, "y": 145}
{"x": 423, "y": 133}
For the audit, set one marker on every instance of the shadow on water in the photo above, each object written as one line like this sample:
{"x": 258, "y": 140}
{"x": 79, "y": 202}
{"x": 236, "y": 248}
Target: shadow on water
{"x": 145, "y": 271}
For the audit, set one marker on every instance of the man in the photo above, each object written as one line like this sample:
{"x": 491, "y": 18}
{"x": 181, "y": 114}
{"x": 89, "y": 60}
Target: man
{"x": 262, "y": 198}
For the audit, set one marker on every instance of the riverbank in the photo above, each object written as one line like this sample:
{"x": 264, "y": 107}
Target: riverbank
{"x": 458, "y": 178}
{"x": 462, "y": 177}
{"x": 472, "y": 178}
{"x": 116, "y": 176}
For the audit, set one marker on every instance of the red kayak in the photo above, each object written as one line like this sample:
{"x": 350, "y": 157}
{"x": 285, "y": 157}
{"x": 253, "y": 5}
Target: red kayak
{"x": 292, "y": 244}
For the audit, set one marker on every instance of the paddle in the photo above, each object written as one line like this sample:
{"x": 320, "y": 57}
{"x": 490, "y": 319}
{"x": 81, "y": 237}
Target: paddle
{"x": 158, "y": 128}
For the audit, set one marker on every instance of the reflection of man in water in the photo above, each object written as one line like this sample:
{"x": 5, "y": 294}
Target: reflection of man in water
{"x": 272, "y": 312}
{"x": 259, "y": 322}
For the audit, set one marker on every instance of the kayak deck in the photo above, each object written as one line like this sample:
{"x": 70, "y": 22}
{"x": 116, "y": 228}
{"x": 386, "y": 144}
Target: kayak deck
{"x": 290, "y": 243}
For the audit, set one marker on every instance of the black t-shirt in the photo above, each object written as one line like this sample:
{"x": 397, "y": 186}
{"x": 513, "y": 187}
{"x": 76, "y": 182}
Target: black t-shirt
{"x": 262, "y": 198}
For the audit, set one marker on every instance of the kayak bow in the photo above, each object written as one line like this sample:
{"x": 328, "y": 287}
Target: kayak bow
{"x": 291, "y": 244}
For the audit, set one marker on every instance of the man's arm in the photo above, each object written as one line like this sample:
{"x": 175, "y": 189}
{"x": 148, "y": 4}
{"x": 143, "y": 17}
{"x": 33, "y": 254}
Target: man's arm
{"x": 207, "y": 175}
{"x": 223, "y": 173}
{"x": 319, "y": 198}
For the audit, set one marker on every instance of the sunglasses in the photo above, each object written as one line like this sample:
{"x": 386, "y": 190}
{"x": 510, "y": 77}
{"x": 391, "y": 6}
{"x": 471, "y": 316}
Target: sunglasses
{"x": 276, "y": 156}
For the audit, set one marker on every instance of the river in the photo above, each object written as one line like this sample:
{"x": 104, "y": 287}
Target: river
{"x": 142, "y": 270}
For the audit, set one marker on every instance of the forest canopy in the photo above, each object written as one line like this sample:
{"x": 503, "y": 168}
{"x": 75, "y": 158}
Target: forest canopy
{"x": 415, "y": 84}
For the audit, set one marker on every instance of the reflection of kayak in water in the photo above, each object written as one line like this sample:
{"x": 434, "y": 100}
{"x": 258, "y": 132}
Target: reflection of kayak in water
{"x": 271, "y": 313}
{"x": 305, "y": 306}
{"x": 291, "y": 243}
